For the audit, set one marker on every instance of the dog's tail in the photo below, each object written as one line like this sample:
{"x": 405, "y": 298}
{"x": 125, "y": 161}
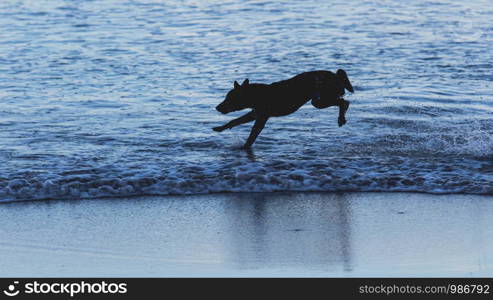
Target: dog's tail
{"x": 342, "y": 76}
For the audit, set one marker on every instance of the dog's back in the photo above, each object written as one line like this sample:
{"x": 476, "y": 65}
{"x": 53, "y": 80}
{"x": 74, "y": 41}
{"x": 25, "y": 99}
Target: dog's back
{"x": 308, "y": 84}
{"x": 287, "y": 96}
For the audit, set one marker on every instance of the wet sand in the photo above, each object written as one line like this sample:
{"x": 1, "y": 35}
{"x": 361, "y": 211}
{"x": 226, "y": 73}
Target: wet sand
{"x": 235, "y": 235}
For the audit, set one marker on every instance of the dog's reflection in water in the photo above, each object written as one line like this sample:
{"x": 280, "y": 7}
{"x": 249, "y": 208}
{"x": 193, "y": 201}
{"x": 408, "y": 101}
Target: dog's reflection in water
{"x": 290, "y": 231}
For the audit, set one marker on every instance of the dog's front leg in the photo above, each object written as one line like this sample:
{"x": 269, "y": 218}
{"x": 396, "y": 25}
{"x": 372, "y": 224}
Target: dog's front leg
{"x": 260, "y": 121}
{"x": 343, "y": 107}
{"x": 238, "y": 121}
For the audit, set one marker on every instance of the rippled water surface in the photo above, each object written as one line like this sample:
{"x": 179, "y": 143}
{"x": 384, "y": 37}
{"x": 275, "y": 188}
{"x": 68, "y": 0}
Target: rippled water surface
{"x": 115, "y": 98}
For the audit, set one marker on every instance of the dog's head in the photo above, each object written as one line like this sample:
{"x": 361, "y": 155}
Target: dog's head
{"x": 344, "y": 80}
{"x": 236, "y": 99}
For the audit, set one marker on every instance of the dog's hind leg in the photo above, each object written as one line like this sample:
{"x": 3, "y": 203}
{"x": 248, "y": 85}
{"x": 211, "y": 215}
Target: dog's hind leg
{"x": 321, "y": 104}
{"x": 256, "y": 129}
{"x": 343, "y": 107}
{"x": 238, "y": 121}
{"x": 324, "y": 99}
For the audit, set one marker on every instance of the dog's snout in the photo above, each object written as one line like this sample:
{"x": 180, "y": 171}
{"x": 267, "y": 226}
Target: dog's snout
{"x": 220, "y": 109}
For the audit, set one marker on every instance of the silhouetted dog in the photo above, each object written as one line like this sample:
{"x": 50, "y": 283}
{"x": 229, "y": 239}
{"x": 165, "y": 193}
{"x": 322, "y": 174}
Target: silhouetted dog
{"x": 285, "y": 97}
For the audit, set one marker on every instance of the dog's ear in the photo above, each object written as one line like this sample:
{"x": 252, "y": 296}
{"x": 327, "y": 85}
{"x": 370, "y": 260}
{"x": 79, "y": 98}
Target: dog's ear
{"x": 236, "y": 84}
{"x": 245, "y": 82}
{"x": 341, "y": 74}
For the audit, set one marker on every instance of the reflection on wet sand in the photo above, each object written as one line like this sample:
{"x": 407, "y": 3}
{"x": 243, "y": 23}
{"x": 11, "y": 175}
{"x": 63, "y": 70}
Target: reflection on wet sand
{"x": 255, "y": 234}
{"x": 286, "y": 231}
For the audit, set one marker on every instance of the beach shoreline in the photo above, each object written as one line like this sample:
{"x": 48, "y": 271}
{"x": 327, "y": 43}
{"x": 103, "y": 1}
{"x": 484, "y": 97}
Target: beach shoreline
{"x": 279, "y": 234}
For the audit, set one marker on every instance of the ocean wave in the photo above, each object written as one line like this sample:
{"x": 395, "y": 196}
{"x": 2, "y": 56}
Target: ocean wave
{"x": 337, "y": 175}
{"x": 128, "y": 109}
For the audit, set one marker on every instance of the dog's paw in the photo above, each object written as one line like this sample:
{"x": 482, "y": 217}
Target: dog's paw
{"x": 218, "y": 128}
{"x": 341, "y": 121}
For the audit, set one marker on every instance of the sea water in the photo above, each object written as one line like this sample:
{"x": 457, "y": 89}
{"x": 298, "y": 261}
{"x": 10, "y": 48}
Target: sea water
{"x": 116, "y": 98}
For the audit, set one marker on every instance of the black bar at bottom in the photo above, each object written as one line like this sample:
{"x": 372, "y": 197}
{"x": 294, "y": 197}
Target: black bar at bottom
{"x": 132, "y": 288}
